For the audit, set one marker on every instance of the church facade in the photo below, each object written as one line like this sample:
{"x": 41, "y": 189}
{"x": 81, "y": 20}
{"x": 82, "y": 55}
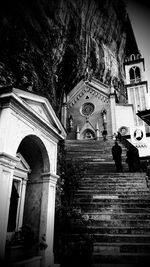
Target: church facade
{"x": 92, "y": 108}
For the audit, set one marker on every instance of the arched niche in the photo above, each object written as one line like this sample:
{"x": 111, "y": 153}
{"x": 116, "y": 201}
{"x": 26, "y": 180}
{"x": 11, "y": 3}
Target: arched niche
{"x": 34, "y": 152}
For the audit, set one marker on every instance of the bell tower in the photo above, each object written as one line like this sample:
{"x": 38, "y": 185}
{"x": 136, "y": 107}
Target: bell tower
{"x": 136, "y": 86}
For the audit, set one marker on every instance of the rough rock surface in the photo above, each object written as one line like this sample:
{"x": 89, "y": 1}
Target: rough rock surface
{"x": 47, "y": 46}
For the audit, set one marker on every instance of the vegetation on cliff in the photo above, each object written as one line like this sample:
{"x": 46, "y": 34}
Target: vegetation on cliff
{"x": 47, "y": 46}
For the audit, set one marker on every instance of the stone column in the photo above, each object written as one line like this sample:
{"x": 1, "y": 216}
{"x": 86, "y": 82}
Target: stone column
{"x": 64, "y": 112}
{"x": 97, "y": 131}
{"x": 22, "y": 201}
{"x": 7, "y": 166}
{"x": 47, "y": 216}
{"x": 78, "y": 132}
{"x": 113, "y": 111}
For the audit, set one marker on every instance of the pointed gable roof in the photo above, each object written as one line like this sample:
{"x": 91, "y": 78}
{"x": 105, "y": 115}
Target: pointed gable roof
{"x": 94, "y": 86}
{"x": 38, "y": 106}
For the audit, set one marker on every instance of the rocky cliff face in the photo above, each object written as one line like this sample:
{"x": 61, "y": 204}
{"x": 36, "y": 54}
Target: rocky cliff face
{"x": 47, "y": 46}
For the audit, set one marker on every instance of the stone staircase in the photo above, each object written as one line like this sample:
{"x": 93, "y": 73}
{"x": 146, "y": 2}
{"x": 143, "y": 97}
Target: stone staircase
{"x": 115, "y": 206}
{"x": 93, "y": 153}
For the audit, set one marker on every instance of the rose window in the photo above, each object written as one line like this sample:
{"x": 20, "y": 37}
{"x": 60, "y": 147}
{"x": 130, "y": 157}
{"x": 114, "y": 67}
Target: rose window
{"x": 87, "y": 109}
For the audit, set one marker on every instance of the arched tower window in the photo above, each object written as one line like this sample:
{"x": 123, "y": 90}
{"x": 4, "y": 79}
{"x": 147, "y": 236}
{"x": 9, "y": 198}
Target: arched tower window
{"x": 135, "y": 75}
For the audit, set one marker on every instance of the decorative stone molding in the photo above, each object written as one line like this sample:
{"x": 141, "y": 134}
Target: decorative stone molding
{"x": 100, "y": 96}
{"x": 95, "y": 88}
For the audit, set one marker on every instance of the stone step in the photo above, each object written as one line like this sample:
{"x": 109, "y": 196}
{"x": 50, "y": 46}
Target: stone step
{"x": 114, "y": 210}
{"x": 110, "y": 201}
{"x": 126, "y": 222}
{"x": 31, "y": 262}
{"x": 122, "y": 247}
{"x": 99, "y": 168}
{"x": 114, "y": 265}
{"x": 93, "y": 229}
{"x": 134, "y": 238}
{"x": 113, "y": 191}
{"x": 116, "y": 174}
{"x": 129, "y": 258}
{"x": 107, "y": 215}
{"x": 113, "y": 194}
{"x": 121, "y": 206}
{"x": 113, "y": 238}
{"x": 112, "y": 182}
{"x": 99, "y": 205}
{"x": 94, "y": 153}
{"x": 112, "y": 187}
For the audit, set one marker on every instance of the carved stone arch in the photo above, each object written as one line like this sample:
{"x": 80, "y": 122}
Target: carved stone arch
{"x": 131, "y": 74}
{"x": 134, "y": 74}
{"x": 132, "y": 57}
{"x": 34, "y": 152}
{"x": 32, "y": 145}
{"x": 137, "y": 73}
{"x": 88, "y": 134}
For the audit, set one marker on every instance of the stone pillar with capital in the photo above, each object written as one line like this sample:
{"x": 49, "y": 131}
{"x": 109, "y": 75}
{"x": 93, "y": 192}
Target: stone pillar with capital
{"x": 47, "y": 217}
{"x": 97, "y": 131}
{"x": 78, "y": 132}
{"x": 113, "y": 110}
{"x": 64, "y": 112}
{"x": 7, "y": 166}
{"x": 22, "y": 201}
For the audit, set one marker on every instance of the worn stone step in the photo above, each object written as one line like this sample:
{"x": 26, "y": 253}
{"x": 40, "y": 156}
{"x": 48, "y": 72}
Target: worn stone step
{"x": 99, "y": 205}
{"x": 122, "y": 247}
{"x": 120, "y": 176}
{"x": 112, "y": 177}
{"x": 116, "y": 189}
{"x": 129, "y": 258}
{"x": 119, "y": 222}
{"x": 105, "y": 206}
{"x": 134, "y": 238}
{"x": 116, "y": 216}
{"x": 114, "y": 265}
{"x": 97, "y": 178}
{"x": 110, "y": 230}
{"x": 113, "y": 183}
{"x": 113, "y": 193}
{"x": 112, "y": 238}
{"x": 115, "y": 210}
{"x": 110, "y": 201}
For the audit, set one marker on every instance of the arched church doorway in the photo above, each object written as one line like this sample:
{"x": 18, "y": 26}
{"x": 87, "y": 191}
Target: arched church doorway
{"x": 88, "y": 134}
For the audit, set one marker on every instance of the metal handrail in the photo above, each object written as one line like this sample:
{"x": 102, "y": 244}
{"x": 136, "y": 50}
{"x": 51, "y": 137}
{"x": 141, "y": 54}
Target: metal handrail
{"x": 128, "y": 145}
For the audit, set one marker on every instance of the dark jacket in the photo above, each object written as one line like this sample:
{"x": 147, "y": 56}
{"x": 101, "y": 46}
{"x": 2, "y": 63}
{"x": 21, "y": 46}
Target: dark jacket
{"x": 116, "y": 152}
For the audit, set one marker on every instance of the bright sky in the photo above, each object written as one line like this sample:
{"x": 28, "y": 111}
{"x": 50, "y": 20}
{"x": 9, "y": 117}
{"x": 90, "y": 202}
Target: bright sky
{"x": 139, "y": 13}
